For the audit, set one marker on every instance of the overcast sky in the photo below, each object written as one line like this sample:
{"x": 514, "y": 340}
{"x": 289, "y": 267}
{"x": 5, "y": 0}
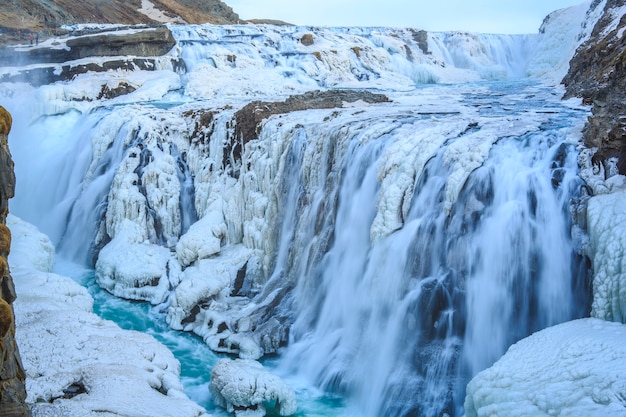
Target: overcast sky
{"x": 487, "y": 16}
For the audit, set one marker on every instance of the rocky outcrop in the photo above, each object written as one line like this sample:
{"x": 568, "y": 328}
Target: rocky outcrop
{"x": 248, "y": 119}
{"x": 139, "y": 41}
{"x": 12, "y": 388}
{"x": 598, "y": 74}
{"x": 127, "y": 48}
{"x": 19, "y": 19}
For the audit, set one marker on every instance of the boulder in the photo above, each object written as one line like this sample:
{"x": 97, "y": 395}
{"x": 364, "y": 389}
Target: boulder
{"x": 244, "y": 387}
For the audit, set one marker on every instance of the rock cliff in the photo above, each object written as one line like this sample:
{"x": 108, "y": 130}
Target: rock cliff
{"x": 12, "y": 385}
{"x": 597, "y": 74}
{"x": 20, "y": 18}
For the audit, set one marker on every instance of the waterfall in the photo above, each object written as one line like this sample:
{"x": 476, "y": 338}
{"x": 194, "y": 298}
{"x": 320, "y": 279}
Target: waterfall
{"x": 399, "y": 324}
{"x": 385, "y": 252}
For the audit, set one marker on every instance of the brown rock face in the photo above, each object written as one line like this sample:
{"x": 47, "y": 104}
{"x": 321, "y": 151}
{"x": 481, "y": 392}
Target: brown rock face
{"x": 598, "y": 74}
{"x": 12, "y": 388}
{"x": 18, "y": 19}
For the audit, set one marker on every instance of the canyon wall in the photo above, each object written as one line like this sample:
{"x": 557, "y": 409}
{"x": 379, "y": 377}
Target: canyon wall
{"x": 597, "y": 74}
{"x": 12, "y": 386}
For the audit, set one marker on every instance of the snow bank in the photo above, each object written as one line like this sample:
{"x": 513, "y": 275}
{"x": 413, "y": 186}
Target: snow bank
{"x": 244, "y": 387}
{"x": 606, "y": 218}
{"x": 572, "y": 369}
{"x": 77, "y": 364}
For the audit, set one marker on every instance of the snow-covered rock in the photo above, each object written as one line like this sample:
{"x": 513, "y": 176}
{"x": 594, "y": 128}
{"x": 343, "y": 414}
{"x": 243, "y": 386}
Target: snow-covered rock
{"x": 573, "y": 369}
{"x": 132, "y": 268}
{"x": 203, "y": 239}
{"x": 207, "y": 301}
{"x": 76, "y": 363}
{"x": 244, "y": 387}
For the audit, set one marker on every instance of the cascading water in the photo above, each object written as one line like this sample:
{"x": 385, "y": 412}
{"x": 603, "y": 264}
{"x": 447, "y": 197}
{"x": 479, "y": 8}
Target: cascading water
{"x": 399, "y": 324}
{"x": 403, "y": 246}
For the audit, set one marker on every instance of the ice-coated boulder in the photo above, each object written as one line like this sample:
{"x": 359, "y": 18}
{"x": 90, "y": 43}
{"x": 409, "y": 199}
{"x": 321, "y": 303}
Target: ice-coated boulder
{"x": 573, "y": 369}
{"x": 244, "y": 387}
{"x": 131, "y": 268}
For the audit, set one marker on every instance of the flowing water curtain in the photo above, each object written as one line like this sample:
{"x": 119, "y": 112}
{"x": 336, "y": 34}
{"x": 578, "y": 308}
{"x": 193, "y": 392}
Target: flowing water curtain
{"x": 400, "y": 325}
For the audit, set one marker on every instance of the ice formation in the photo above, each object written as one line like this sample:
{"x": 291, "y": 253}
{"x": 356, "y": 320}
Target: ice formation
{"x": 244, "y": 387}
{"x": 605, "y": 220}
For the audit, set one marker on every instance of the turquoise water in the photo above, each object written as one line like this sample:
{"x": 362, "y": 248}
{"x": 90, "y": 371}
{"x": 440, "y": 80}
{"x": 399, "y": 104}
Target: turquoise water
{"x": 194, "y": 355}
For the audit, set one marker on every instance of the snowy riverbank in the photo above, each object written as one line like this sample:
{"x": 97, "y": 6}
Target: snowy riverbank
{"x": 86, "y": 365}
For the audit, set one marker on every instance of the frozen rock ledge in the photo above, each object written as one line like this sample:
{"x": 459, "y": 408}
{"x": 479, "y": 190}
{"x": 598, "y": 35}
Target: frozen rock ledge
{"x": 244, "y": 387}
{"x": 572, "y": 369}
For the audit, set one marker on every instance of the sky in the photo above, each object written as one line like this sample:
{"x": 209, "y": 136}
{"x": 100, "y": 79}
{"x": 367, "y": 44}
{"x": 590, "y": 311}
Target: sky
{"x": 486, "y": 16}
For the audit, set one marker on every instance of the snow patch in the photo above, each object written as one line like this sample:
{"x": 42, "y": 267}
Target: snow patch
{"x": 148, "y": 8}
{"x": 132, "y": 268}
{"x": 572, "y": 369}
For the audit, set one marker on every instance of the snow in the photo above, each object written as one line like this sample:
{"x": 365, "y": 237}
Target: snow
{"x": 64, "y": 345}
{"x": 244, "y": 387}
{"x": 572, "y": 369}
{"x": 132, "y": 268}
{"x": 201, "y": 302}
{"x": 606, "y": 217}
{"x": 148, "y": 8}
{"x": 616, "y": 13}
{"x": 204, "y": 238}
{"x": 561, "y": 34}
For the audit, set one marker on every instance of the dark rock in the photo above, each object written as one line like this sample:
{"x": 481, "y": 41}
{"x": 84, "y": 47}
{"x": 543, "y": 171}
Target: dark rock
{"x": 144, "y": 42}
{"x": 148, "y": 42}
{"x": 421, "y": 38}
{"x": 597, "y": 75}
{"x": 122, "y": 89}
{"x": 307, "y": 39}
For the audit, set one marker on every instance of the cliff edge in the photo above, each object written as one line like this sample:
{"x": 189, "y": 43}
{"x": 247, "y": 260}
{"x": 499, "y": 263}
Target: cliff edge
{"x": 12, "y": 377}
{"x": 18, "y": 20}
{"x": 598, "y": 74}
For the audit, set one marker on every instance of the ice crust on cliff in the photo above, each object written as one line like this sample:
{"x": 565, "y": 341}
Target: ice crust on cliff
{"x": 65, "y": 346}
{"x": 606, "y": 218}
{"x": 244, "y": 387}
{"x": 572, "y": 369}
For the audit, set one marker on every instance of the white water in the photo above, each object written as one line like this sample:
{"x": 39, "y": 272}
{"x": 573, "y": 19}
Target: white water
{"x": 400, "y": 325}
{"x": 411, "y": 243}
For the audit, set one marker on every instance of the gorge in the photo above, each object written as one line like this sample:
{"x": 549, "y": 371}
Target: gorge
{"x": 382, "y": 212}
